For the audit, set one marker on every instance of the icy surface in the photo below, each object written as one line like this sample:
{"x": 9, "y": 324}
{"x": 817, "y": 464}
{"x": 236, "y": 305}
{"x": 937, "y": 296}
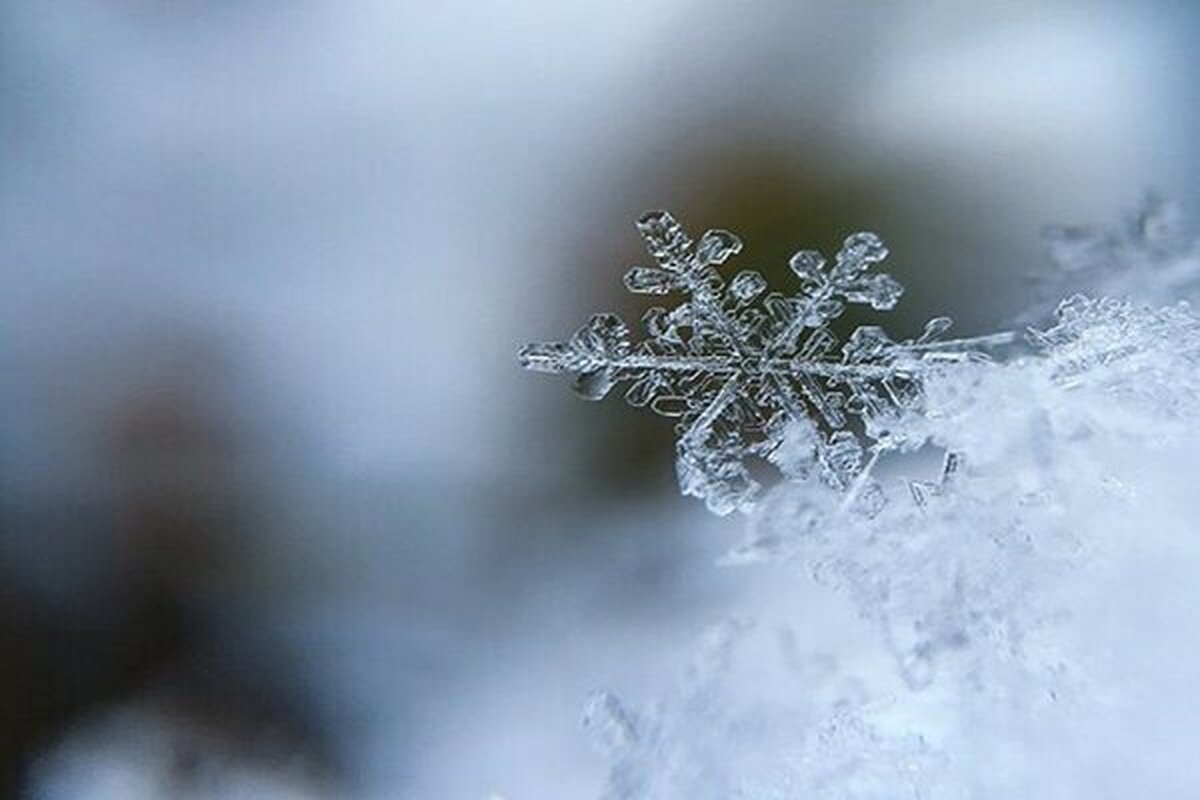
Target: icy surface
{"x": 1002, "y": 595}
{"x": 749, "y": 373}
{"x": 1032, "y": 600}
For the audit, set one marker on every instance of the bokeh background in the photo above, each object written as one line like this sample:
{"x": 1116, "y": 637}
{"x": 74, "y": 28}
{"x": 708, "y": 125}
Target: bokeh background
{"x": 280, "y": 517}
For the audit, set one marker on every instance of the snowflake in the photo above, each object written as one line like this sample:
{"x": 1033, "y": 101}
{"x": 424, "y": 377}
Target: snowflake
{"x": 753, "y": 374}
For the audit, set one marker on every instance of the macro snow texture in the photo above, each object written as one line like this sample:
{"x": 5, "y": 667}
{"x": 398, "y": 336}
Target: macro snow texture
{"x": 1030, "y": 603}
{"x": 1035, "y": 601}
{"x": 749, "y": 373}
{"x": 1152, "y": 257}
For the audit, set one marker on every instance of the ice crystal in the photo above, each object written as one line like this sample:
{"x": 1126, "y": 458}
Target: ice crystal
{"x": 1032, "y": 603}
{"x": 1090, "y": 334}
{"x": 1001, "y": 599}
{"x": 756, "y": 374}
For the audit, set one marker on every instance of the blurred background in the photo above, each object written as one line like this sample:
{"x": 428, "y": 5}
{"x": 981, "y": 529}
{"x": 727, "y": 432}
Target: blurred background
{"x": 280, "y": 517}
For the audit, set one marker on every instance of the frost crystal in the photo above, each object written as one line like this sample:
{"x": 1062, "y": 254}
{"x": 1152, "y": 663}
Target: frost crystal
{"x": 1030, "y": 614}
{"x": 752, "y": 374}
{"x": 1036, "y": 603}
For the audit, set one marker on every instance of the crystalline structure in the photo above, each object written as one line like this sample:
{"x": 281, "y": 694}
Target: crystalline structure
{"x": 1005, "y": 595}
{"x": 1024, "y": 441}
{"x": 1151, "y": 258}
{"x": 1030, "y": 616}
{"x": 1091, "y": 334}
{"x": 1128, "y": 353}
{"x": 746, "y": 371}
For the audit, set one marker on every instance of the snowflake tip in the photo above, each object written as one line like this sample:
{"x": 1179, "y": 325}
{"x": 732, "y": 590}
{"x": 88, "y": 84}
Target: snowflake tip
{"x": 545, "y": 357}
{"x": 717, "y": 246}
{"x": 935, "y": 328}
{"x": 665, "y": 239}
{"x": 883, "y": 292}
{"x": 649, "y": 280}
{"x": 807, "y": 264}
{"x": 861, "y": 250}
